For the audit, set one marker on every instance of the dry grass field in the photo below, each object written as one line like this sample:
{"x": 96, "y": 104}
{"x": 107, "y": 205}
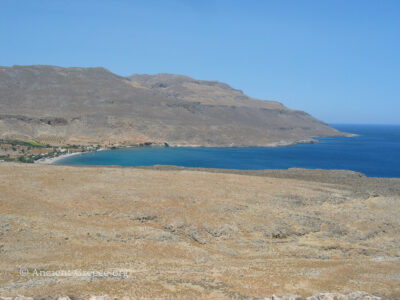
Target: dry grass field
{"x": 192, "y": 233}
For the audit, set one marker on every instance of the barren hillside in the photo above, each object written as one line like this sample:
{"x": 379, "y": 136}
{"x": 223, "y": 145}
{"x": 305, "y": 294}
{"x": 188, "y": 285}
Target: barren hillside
{"x": 191, "y": 234}
{"x": 92, "y": 105}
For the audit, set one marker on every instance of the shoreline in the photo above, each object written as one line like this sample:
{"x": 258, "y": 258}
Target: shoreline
{"x": 310, "y": 140}
{"x": 52, "y": 160}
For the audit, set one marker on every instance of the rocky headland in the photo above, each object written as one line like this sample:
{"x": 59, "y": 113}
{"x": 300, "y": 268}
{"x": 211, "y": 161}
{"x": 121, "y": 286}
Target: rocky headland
{"x": 92, "y": 106}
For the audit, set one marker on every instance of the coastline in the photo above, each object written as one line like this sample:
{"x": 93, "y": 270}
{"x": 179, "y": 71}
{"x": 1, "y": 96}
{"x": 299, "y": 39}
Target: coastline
{"x": 282, "y": 143}
{"x": 52, "y": 160}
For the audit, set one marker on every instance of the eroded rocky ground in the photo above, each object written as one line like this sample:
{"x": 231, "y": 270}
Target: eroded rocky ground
{"x": 172, "y": 232}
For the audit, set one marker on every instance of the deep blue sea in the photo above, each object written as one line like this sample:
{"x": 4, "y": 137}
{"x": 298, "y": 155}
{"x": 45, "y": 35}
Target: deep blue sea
{"x": 375, "y": 152}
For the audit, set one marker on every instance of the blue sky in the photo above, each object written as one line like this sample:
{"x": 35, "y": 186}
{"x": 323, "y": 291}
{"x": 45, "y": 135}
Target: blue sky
{"x": 338, "y": 60}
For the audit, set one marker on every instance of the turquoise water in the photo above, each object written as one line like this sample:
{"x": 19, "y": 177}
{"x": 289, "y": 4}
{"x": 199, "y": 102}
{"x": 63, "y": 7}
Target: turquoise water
{"x": 376, "y": 152}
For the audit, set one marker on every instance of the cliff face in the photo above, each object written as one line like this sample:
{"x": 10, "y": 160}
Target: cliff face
{"x": 92, "y": 105}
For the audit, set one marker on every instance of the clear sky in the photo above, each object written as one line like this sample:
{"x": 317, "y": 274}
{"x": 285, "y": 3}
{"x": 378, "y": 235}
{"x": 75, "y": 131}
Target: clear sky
{"x": 338, "y": 60}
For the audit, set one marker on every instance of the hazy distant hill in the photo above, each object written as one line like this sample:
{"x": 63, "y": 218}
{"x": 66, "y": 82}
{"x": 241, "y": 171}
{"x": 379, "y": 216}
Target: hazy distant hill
{"x": 92, "y": 105}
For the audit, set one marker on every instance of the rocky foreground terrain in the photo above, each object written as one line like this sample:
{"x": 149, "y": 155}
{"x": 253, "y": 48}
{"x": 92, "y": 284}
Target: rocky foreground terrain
{"x": 322, "y": 296}
{"x": 173, "y": 232}
{"x": 59, "y": 106}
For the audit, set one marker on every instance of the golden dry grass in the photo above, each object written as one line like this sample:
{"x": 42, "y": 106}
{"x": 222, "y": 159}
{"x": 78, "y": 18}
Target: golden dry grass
{"x": 194, "y": 234}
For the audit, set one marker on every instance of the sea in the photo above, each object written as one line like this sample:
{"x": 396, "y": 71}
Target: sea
{"x": 374, "y": 152}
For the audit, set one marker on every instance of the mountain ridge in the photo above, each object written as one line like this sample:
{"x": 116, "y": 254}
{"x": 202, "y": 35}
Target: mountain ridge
{"x": 77, "y": 105}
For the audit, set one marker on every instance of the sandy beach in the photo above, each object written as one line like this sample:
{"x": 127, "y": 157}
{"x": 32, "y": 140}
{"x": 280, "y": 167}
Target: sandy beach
{"x": 52, "y": 160}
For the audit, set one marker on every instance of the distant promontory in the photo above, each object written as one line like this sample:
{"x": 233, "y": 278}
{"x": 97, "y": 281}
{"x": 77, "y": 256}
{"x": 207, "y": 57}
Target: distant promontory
{"x": 56, "y": 105}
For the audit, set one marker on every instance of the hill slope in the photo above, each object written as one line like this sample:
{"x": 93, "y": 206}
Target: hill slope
{"x": 92, "y": 105}
{"x": 193, "y": 234}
